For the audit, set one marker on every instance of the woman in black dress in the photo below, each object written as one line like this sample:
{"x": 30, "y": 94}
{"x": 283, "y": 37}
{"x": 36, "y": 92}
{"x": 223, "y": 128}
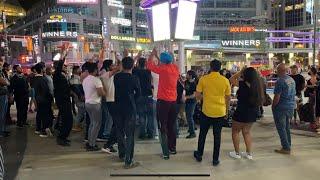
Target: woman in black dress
{"x": 311, "y": 92}
{"x": 250, "y": 97}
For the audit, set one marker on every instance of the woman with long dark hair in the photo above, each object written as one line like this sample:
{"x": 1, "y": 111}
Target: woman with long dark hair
{"x": 250, "y": 97}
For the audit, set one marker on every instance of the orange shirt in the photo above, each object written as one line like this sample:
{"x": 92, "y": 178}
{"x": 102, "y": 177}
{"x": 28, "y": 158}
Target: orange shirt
{"x": 168, "y": 78}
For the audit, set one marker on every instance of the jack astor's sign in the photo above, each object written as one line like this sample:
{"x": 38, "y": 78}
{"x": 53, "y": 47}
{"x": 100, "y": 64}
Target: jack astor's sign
{"x": 241, "y": 43}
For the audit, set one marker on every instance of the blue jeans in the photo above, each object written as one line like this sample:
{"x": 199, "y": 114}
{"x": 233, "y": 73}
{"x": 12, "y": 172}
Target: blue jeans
{"x": 282, "y": 119}
{"x": 106, "y": 122}
{"x": 155, "y": 121}
{"x": 3, "y": 111}
{"x": 146, "y": 116}
{"x": 190, "y": 107}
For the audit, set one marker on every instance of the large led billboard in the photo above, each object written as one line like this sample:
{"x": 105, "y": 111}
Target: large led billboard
{"x": 185, "y": 20}
{"x": 77, "y": 1}
{"x": 161, "y": 22}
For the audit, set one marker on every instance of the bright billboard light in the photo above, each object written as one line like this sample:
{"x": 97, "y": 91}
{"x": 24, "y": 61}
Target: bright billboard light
{"x": 77, "y": 1}
{"x": 185, "y": 20}
{"x": 161, "y": 22}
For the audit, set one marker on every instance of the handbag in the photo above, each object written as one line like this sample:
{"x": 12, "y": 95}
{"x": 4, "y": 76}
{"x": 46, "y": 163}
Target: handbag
{"x": 267, "y": 101}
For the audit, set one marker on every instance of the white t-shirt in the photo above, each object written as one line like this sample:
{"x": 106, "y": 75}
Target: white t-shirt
{"x": 155, "y": 82}
{"x": 108, "y": 84}
{"x": 90, "y": 85}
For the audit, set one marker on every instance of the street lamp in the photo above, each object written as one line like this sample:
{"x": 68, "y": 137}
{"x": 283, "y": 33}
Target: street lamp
{"x": 314, "y": 36}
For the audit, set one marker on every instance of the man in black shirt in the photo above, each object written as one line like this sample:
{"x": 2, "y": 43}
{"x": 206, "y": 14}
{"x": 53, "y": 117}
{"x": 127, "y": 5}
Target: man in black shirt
{"x": 145, "y": 101}
{"x": 19, "y": 87}
{"x": 181, "y": 117}
{"x": 300, "y": 85}
{"x": 43, "y": 99}
{"x": 191, "y": 102}
{"x": 127, "y": 90}
{"x": 62, "y": 95}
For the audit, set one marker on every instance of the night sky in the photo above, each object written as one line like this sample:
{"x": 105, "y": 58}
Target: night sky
{"x": 27, "y": 4}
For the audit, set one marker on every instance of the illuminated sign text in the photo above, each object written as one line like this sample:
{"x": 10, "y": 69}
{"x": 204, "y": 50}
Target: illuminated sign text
{"x": 121, "y": 21}
{"x": 61, "y": 34}
{"x": 143, "y": 40}
{"x": 77, "y": 1}
{"x": 241, "y": 43}
{"x": 123, "y": 38}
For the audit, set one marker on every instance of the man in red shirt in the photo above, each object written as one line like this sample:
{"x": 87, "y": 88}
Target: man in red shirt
{"x": 167, "y": 96}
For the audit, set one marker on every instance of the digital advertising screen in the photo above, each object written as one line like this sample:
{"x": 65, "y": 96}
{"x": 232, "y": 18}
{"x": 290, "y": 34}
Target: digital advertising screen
{"x": 161, "y": 22}
{"x": 77, "y": 1}
{"x": 185, "y": 20}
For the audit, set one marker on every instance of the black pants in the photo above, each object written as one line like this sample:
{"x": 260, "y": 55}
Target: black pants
{"x": 43, "y": 120}
{"x": 113, "y": 133}
{"x": 8, "y": 114}
{"x": 22, "y": 110}
{"x": 205, "y": 124}
{"x": 87, "y": 125}
{"x": 125, "y": 126}
{"x": 66, "y": 118}
{"x": 167, "y": 116}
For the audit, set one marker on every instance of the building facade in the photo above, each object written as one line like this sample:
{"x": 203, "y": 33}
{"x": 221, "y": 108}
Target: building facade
{"x": 114, "y": 24}
{"x": 297, "y": 24}
{"x": 231, "y": 30}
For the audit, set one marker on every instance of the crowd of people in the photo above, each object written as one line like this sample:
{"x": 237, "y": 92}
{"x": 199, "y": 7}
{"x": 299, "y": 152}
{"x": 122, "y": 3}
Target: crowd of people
{"x": 109, "y": 98}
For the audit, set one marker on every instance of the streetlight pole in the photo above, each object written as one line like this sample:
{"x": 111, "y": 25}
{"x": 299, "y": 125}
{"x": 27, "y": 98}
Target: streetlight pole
{"x": 5, "y": 33}
{"x": 314, "y": 36}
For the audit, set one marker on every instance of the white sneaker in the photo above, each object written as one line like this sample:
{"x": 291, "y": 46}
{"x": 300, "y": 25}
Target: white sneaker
{"x": 37, "y": 132}
{"x": 49, "y": 133}
{"x": 234, "y": 155}
{"x": 247, "y": 155}
{"x": 156, "y": 137}
{"x": 106, "y": 150}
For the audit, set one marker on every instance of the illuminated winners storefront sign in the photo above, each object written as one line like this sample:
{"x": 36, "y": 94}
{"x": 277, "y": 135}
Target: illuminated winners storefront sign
{"x": 233, "y": 43}
{"x": 60, "y": 34}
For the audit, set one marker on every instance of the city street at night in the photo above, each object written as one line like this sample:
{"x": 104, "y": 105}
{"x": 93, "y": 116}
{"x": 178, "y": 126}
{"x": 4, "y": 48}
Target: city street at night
{"x": 42, "y": 159}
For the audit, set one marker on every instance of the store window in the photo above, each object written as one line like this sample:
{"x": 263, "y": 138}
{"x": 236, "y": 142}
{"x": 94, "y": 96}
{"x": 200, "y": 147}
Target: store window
{"x": 235, "y": 3}
{"x": 127, "y": 2}
{"x": 56, "y": 27}
{"x": 207, "y": 4}
{"x": 92, "y": 27}
{"x": 125, "y": 30}
{"x": 142, "y": 32}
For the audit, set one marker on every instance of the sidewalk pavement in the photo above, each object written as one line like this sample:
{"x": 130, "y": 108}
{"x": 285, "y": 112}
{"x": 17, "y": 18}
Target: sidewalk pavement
{"x": 42, "y": 159}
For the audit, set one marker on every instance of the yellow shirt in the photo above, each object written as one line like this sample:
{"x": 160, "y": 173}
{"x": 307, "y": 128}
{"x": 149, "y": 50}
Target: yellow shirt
{"x": 214, "y": 87}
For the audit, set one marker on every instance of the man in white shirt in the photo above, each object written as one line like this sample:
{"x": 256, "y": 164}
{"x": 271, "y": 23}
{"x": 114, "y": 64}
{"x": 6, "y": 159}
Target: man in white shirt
{"x": 93, "y": 90}
{"x": 107, "y": 76}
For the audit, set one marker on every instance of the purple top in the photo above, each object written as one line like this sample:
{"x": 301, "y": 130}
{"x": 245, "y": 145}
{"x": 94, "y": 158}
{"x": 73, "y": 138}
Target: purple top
{"x": 150, "y": 3}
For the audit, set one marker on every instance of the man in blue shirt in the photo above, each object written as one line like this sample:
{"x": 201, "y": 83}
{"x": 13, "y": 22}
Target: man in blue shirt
{"x": 283, "y": 107}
